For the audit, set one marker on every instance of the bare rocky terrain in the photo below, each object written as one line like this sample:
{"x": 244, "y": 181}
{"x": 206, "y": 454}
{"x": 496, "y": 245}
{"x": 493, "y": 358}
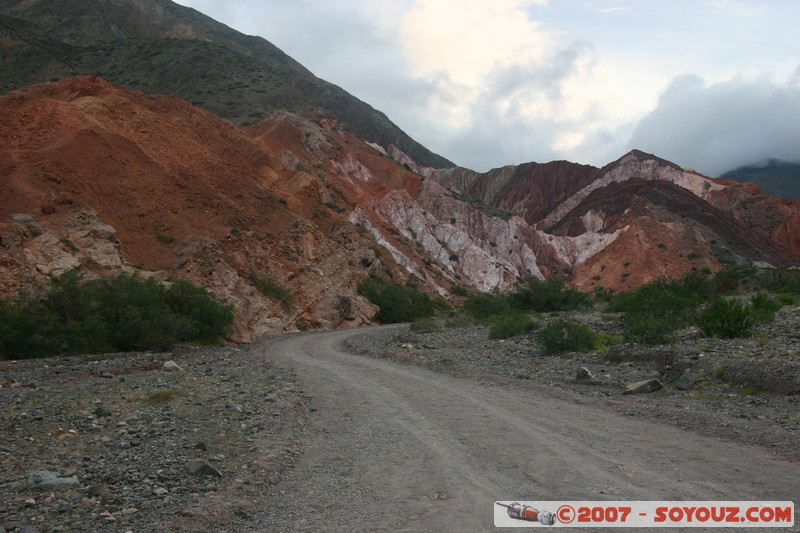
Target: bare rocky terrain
{"x": 745, "y": 390}
{"x": 385, "y": 429}
{"x": 121, "y": 431}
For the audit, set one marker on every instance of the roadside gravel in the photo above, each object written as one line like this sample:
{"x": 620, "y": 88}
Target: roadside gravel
{"x": 745, "y": 390}
{"x": 124, "y": 429}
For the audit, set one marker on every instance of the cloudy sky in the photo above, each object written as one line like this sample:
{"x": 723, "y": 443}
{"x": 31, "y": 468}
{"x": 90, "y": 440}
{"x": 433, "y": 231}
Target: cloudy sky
{"x": 708, "y": 84}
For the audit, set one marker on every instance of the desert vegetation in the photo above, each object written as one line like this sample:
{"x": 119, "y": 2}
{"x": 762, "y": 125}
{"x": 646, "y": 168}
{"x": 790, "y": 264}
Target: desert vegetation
{"x": 397, "y": 303}
{"x": 723, "y": 305}
{"x": 74, "y": 316}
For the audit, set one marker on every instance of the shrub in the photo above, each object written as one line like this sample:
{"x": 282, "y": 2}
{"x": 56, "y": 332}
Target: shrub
{"x": 27, "y": 329}
{"x": 547, "y": 295}
{"x": 675, "y": 303}
{"x": 511, "y": 325}
{"x": 424, "y": 325}
{"x": 603, "y": 342}
{"x": 396, "y": 303}
{"x": 459, "y": 320}
{"x": 784, "y": 281}
{"x": 764, "y": 307}
{"x": 726, "y": 319}
{"x": 649, "y": 328}
{"x": 458, "y": 290}
{"x": 730, "y": 279}
{"x": 122, "y": 313}
{"x": 485, "y": 305}
{"x": 654, "y": 312}
{"x": 208, "y": 316}
{"x": 566, "y": 336}
{"x": 272, "y": 289}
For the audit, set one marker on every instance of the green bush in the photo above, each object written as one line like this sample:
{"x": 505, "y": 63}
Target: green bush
{"x": 485, "y": 305}
{"x": 649, "y": 328}
{"x": 459, "y": 320}
{"x": 764, "y": 307}
{"x": 396, "y": 303}
{"x": 653, "y": 313}
{"x": 733, "y": 278}
{"x": 27, "y": 329}
{"x": 533, "y": 294}
{"x": 567, "y": 336}
{"x": 670, "y": 300}
{"x": 786, "y": 298}
{"x": 458, "y": 290}
{"x": 784, "y": 281}
{"x": 603, "y": 342}
{"x": 510, "y": 325}
{"x": 118, "y": 314}
{"x": 272, "y": 289}
{"x": 424, "y": 325}
{"x": 726, "y": 319}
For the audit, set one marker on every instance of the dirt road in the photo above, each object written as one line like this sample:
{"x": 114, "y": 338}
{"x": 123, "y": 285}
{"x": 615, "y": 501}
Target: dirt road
{"x": 398, "y": 448}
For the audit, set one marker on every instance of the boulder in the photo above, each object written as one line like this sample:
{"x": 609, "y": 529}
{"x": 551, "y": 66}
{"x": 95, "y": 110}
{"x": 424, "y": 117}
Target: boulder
{"x": 685, "y": 381}
{"x": 199, "y": 467}
{"x": 47, "y": 479}
{"x": 647, "y": 385}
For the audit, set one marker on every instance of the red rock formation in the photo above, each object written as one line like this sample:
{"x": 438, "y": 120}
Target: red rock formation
{"x": 648, "y": 205}
{"x": 174, "y": 190}
{"x": 102, "y": 180}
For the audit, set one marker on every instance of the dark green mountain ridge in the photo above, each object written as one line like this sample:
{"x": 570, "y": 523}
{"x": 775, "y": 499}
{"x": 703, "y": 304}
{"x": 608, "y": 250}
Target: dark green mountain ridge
{"x": 774, "y": 176}
{"x": 160, "y": 47}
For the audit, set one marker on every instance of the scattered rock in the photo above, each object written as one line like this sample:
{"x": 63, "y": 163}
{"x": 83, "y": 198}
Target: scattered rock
{"x": 648, "y": 385}
{"x": 47, "y": 479}
{"x": 96, "y": 491}
{"x": 171, "y": 366}
{"x": 102, "y": 412}
{"x": 199, "y": 467}
{"x": 121, "y": 450}
{"x": 684, "y": 382}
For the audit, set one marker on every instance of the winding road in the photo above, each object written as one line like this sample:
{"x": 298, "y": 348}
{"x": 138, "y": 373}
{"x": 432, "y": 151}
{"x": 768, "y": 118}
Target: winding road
{"x": 400, "y": 448}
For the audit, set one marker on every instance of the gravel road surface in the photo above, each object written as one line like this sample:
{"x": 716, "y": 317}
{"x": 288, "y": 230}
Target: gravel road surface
{"x": 401, "y": 448}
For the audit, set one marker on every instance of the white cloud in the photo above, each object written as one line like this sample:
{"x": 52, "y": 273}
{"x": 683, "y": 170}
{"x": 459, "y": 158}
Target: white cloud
{"x": 491, "y": 83}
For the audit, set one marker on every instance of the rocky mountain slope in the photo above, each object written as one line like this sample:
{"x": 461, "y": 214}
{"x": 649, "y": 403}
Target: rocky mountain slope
{"x": 102, "y": 180}
{"x": 639, "y": 218}
{"x": 159, "y": 47}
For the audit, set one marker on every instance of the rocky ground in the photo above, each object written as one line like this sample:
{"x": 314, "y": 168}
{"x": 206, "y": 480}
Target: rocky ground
{"x": 746, "y": 390}
{"x": 128, "y": 442}
{"x": 134, "y": 444}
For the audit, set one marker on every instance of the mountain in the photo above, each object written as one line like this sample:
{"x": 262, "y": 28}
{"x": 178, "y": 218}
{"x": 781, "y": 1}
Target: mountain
{"x": 261, "y": 184}
{"x": 101, "y": 180}
{"x": 639, "y": 218}
{"x": 774, "y": 176}
{"x": 159, "y": 47}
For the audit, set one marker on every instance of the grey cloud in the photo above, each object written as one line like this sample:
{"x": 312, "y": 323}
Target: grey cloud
{"x": 722, "y": 126}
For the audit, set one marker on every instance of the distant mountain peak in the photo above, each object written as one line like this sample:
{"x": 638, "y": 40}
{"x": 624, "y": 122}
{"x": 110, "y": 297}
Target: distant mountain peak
{"x": 776, "y": 177}
{"x": 160, "y": 47}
